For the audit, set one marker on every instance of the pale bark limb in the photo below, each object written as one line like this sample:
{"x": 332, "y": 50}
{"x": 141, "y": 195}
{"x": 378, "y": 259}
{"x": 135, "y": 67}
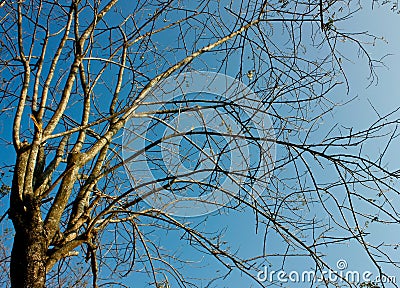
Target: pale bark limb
{"x": 25, "y": 85}
{"x": 106, "y": 138}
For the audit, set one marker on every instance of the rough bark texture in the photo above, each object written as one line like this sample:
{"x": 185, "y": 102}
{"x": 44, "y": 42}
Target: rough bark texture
{"x": 28, "y": 256}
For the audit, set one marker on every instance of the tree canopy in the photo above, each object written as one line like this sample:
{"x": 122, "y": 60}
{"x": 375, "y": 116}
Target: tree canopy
{"x": 125, "y": 119}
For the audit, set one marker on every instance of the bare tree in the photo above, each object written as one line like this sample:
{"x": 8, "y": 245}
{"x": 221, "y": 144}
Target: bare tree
{"x": 75, "y": 74}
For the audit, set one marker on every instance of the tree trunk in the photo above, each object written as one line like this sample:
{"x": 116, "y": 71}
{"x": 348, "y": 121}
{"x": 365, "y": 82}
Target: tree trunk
{"x": 28, "y": 255}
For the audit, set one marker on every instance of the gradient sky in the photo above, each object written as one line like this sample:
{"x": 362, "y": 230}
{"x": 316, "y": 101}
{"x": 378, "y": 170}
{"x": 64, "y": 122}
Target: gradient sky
{"x": 382, "y": 94}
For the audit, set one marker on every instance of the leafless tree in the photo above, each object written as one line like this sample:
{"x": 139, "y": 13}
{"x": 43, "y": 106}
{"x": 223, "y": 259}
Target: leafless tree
{"x": 75, "y": 74}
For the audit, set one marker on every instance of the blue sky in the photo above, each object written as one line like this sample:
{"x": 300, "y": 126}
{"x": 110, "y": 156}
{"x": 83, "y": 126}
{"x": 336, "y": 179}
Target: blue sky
{"x": 382, "y": 94}
{"x": 239, "y": 227}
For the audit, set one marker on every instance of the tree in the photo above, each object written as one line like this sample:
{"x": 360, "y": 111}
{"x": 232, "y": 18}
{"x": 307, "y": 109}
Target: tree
{"x": 75, "y": 74}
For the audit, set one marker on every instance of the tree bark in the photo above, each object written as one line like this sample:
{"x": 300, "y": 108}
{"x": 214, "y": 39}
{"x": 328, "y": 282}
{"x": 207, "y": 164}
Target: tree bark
{"x": 28, "y": 255}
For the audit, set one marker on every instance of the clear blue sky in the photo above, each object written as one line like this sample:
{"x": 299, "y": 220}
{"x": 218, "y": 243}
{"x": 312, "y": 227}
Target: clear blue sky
{"x": 240, "y": 226}
{"x": 384, "y": 96}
